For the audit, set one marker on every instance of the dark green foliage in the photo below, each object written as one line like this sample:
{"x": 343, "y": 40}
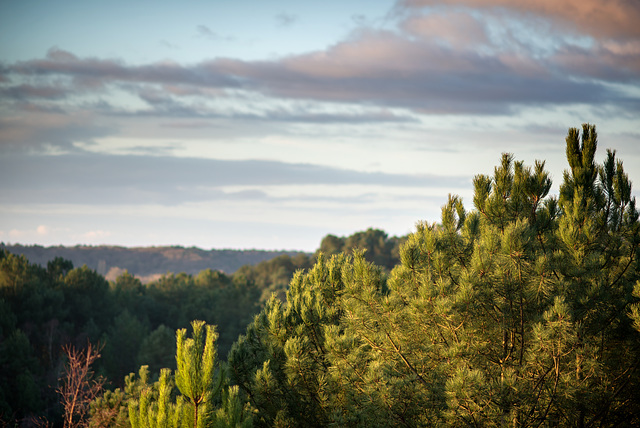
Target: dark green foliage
{"x": 122, "y": 344}
{"x": 30, "y": 339}
{"x": 280, "y": 362}
{"x": 158, "y": 349}
{"x": 379, "y": 248}
{"x": 58, "y": 268}
{"x": 272, "y": 276}
{"x": 20, "y": 383}
{"x": 86, "y": 292}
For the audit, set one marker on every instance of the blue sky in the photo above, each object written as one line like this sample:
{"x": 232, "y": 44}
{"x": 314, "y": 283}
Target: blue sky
{"x": 246, "y": 124}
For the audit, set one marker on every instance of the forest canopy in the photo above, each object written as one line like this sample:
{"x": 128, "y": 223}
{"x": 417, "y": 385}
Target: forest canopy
{"x": 522, "y": 311}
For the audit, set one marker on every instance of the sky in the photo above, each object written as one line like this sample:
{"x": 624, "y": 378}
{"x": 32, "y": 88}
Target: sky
{"x": 270, "y": 124}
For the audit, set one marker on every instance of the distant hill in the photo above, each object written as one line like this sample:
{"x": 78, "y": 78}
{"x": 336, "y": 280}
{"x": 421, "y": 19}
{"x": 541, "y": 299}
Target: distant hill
{"x": 147, "y": 263}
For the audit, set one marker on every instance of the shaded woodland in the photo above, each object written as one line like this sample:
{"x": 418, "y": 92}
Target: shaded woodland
{"x": 44, "y": 309}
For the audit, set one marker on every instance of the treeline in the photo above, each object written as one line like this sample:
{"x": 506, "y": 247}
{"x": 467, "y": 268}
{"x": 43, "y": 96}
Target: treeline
{"x": 147, "y": 263}
{"x": 43, "y": 309}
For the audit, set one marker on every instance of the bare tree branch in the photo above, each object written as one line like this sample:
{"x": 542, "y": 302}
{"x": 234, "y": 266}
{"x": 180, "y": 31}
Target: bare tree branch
{"x": 78, "y": 387}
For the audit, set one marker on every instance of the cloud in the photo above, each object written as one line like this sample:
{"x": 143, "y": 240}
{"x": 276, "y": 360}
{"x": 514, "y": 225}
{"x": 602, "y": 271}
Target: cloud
{"x": 454, "y": 28}
{"x": 168, "y": 45}
{"x": 39, "y": 232}
{"x": 134, "y": 179}
{"x": 375, "y": 68}
{"x": 27, "y": 91}
{"x": 37, "y": 129}
{"x": 616, "y": 19}
{"x": 286, "y": 19}
{"x": 94, "y": 72}
{"x": 94, "y": 235}
{"x": 167, "y": 102}
{"x": 205, "y": 32}
{"x": 609, "y": 62}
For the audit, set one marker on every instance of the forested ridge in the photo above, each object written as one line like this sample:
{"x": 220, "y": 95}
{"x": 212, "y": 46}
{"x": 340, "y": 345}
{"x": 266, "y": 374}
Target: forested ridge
{"x": 146, "y": 263}
{"x": 524, "y": 311}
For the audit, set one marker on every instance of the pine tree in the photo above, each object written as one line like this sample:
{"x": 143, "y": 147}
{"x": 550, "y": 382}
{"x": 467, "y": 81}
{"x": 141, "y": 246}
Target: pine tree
{"x": 520, "y": 312}
{"x": 195, "y": 375}
{"x": 281, "y": 361}
{"x": 600, "y": 235}
{"x": 112, "y": 408}
{"x": 206, "y": 400}
{"x": 154, "y": 408}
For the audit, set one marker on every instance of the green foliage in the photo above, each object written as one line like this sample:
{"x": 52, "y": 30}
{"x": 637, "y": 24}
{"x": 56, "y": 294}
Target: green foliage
{"x": 154, "y": 409}
{"x": 196, "y": 361}
{"x": 158, "y": 349}
{"x": 19, "y": 383}
{"x": 280, "y": 361}
{"x": 379, "y": 248}
{"x": 271, "y": 276}
{"x": 201, "y": 383}
{"x": 86, "y": 291}
{"x": 112, "y": 408}
{"x": 122, "y": 344}
{"x": 136, "y": 323}
{"x": 233, "y": 413}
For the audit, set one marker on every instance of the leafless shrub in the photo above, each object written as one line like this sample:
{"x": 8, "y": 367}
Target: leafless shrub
{"x": 78, "y": 386}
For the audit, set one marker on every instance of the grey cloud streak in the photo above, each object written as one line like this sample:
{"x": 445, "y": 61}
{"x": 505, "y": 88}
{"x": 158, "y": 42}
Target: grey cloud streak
{"x": 97, "y": 72}
{"x": 163, "y": 105}
{"x": 134, "y": 179}
{"x": 37, "y": 127}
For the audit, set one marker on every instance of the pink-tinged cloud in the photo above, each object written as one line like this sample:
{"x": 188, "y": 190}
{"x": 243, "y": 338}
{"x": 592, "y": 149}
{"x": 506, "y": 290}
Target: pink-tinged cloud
{"x": 619, "y": 19}
{"x": 376, "y": 54}
{"x": 34, "y": 128}
{"x": 606, "y": 62}
{"x": 457, "y": 29}
{"x": 389, "y": 69}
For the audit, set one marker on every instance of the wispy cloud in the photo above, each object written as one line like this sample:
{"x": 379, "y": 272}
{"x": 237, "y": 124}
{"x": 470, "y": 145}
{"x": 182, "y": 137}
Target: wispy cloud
{"x": 28, "y": 91}
{"x": 284, "y": 19}
{"x": 207, "y": 33}
{"x": 135, "y": 179}
{"x": 35, "y": 129}
{"x": 610, "y": 19}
